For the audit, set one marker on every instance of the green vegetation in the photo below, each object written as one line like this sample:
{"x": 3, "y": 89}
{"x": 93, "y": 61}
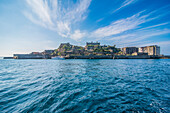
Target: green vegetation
{"x": 59, "y": 53}
{"x": 99, "y": 50}
{"x": 68, "y": 49}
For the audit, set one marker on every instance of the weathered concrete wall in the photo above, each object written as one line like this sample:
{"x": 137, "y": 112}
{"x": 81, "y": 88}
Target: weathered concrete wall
{"x": 115, "y": 57}
{"x": 141, "y": 57}
{"x": 165, "y": 57}
{"x": 131, "y": 57}
{"x": 7, "y": 57}
{"x": 30, "y": 56}
{"x": 90, "y": 57}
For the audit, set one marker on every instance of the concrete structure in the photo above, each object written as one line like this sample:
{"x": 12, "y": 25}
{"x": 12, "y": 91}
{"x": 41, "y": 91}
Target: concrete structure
{"x": 92, "y": 43}
{"x": 49, "y": 52}
{"x": 103, "y": 46}
{"x": 90, "y": 57}
{"x": 131, "y": 57}
{"x": 36, "y": 53}
{"x": 64, "y": 44}
{"x": 90, "y": 46}
{"x": 129, "y": 50}
{"x": 29, "y": 56}
{"x": 7, "y": 57}
{"x": 139, "y": 54}
{"x": 150, "y": 50}
{"x": 93, "y": 50}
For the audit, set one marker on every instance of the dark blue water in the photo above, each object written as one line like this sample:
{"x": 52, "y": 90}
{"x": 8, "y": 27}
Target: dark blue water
{"x": 85, "y": 86}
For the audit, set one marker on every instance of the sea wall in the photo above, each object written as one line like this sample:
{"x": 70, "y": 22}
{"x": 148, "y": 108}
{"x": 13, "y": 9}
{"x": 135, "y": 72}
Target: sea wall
{"x": 131, "y": 57}
{"x": 30, "y": 56}
{"x": 90, "y": 57}
{"x": 117, "y": 57}
{"x": 7, "y": 57}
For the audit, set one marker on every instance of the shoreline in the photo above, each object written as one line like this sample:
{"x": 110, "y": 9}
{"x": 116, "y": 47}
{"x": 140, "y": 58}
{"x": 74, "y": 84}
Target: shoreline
{"x": 102, "y": 57}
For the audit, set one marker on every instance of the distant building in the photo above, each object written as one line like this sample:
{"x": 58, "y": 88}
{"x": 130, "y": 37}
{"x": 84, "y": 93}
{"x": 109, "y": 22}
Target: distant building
{"x": 36, "y": 53}
{"x": 33, "y": 55}
{"x": 139, "y": 54}
{"x": 103, "y": 46}
{"x": 90, "y": 46}
{"x": 151, "y": 50}
{"x": 7, "y": 58}
{"x": 28, "y": 56}
{"x": 64, "y": 44}
{"x": 48, "y": 52}
{"x": 92, "y": 43}
{"x": 64, "y": 47}
{"x": 129, "y": 50}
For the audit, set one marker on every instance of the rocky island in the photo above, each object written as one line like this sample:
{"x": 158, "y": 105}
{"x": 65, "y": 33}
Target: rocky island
{"x": 93, "y": 50}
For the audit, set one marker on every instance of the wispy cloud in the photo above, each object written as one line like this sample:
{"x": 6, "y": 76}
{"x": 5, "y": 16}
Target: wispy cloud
{"x": 99, "y": 20}
{"x": 121, "y": 25}
{"x": 157, "y": 25}
{"x": 161, "y": 43}
{"x": 41, "y": 11}
{"x": 127, "y": 2}
{"x": 122, "y": 37}
{"x": 64, "y": 19}
{"x": 53, "y": 15}
{"x": 134, "y": 30}
{"x": 133, "y": 22}
{"x": 124, "y": 4}
{"x": 138, "y": 38}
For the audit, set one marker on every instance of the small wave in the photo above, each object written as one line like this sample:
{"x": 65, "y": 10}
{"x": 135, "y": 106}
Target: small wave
{"x": 84, "y": 86}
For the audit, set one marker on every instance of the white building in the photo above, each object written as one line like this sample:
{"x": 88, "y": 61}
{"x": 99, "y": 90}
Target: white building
{"x": 151, "y": 50}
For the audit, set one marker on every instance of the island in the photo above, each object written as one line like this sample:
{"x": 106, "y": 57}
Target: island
{"x": 94, "y": 50}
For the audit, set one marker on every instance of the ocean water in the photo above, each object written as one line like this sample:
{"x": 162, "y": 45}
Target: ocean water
{"x": 83, "y": 86}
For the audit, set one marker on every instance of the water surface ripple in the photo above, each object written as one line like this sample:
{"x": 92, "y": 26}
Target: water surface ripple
{"x": 84, "y": 86}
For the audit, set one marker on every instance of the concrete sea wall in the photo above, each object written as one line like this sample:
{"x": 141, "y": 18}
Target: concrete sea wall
{"x": 90, "y": 57}
{"x": 117, "y": 57}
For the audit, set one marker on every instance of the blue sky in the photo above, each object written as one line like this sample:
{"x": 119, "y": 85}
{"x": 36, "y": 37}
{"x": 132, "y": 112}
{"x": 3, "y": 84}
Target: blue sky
{"x": 36, "y": 25}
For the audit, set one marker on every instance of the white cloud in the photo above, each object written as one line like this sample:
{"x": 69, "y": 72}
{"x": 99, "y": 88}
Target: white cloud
{"x": 122, "y": 37}
{"x": 125, "y": 25}
{"x": 161, "y": 43}
{"x": 52, "y": 14}
{"x": 121, "y": 25}
{"x": 64, "y": 19}
{"x": 150, "y": 34}
{"x": 124, "y": 4}
{"x": 77, "y": 35}
{"x": 155, "y": 25}
{"x": 63, "y": 28}
{"x": 99, "y": 20}
{"x": 41, "y": 10}
{"x": 138, "y": 38}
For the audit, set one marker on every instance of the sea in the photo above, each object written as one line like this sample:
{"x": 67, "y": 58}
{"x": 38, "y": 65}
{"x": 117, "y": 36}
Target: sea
{"x": 85, "y": 86}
